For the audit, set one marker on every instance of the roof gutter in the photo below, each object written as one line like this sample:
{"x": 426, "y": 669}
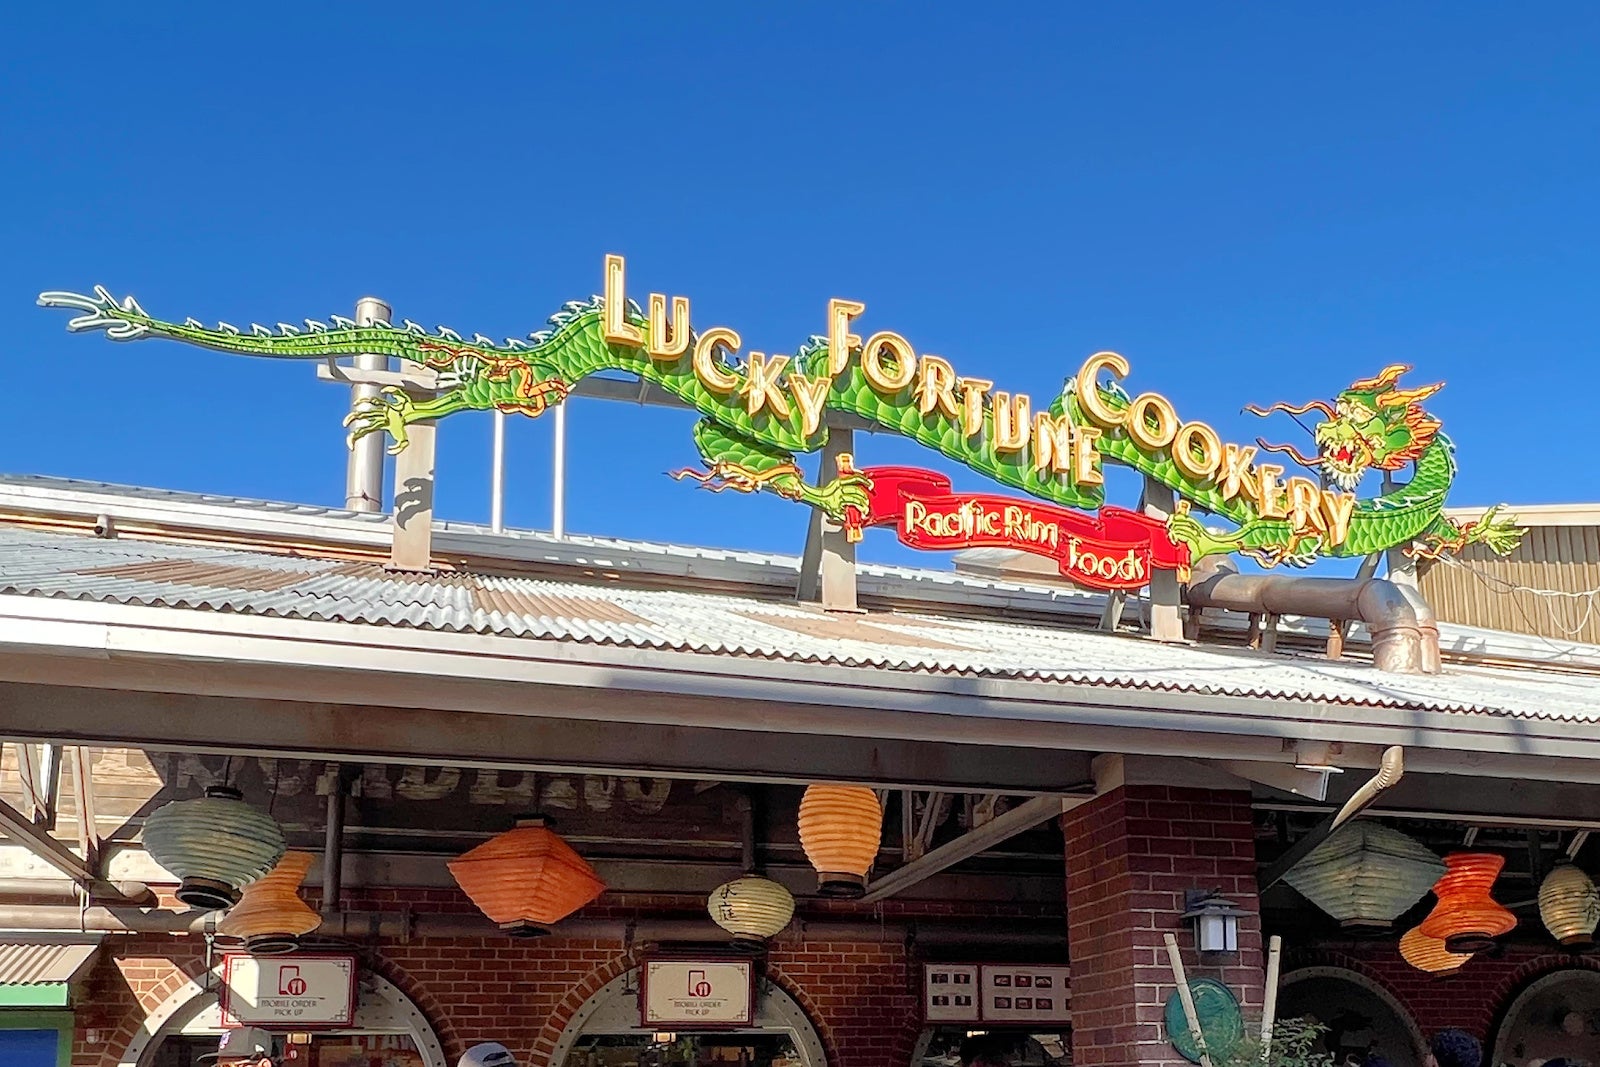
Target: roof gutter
{"x": 142, "y": 651}
{"x": 1405, "y": 633}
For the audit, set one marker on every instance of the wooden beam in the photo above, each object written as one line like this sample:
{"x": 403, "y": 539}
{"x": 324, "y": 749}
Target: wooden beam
{"x": 83, "y": 797}
{"x": 28, "y": 777}
{"x": 1002, "y": 828}
{"x": 20, "y": 828}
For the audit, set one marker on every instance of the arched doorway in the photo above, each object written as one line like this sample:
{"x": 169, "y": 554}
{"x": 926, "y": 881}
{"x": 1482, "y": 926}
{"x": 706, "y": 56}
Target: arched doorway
{"x": 387, "y": 1024}
{"x": 1557, "y": 1015}
{"x": 605, "y": 1032}
{"x": 940, "y": 1046}
{"x": 1360, "y": 1014}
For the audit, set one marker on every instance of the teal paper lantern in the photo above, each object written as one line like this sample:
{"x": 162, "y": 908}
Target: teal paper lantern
{"x": 1366, "y": 875}
{"x": 216, "y": 845}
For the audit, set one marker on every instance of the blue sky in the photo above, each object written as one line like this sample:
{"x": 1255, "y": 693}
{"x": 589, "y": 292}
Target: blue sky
{"x": 1252, "y": 202}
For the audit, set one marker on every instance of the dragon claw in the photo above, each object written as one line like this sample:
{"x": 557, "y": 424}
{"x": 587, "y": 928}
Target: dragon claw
{"x": 388, "y": 412}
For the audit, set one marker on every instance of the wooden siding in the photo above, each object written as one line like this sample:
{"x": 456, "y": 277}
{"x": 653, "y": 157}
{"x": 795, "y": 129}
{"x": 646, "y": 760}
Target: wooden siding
{"x": 1565, "y": 558}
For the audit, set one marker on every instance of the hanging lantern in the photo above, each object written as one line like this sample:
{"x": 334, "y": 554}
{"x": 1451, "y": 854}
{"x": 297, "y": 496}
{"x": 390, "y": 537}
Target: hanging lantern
{"x": 1569, "y": 905}
{"x": 1429, "y": 954}
{"x": 526, "y": 879}
{"x": 1366, "y": 875}
{"x": 751, "y": 908}
{"x": 1466, "y": 917}
{"x": 840, "y": 827}
{"x": 216, "y": 845}
{"x": 270, "y": 917}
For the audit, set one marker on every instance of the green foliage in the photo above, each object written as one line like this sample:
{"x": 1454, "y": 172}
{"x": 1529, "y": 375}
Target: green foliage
{"x": 1294, "y": 1044}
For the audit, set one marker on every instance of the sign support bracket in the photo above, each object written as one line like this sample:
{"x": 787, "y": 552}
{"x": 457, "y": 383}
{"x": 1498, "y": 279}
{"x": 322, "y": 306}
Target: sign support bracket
{"x": 1166, "y": 605}
{"x": 828, "y": 563}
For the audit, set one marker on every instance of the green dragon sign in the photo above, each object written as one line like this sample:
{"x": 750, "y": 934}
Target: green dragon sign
{"x": 758, "y": 413}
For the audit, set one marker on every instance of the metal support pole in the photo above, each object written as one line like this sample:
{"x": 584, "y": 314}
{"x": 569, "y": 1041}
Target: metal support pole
{"x": 558, "y": 481}
{"x": 333, "y": 846}
{"x": 497, "y": 484}
{"x": 363, "y": 484}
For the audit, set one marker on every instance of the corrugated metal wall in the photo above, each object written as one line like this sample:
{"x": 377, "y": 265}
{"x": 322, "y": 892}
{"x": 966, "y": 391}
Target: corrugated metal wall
{"x": 1566, "y": 558}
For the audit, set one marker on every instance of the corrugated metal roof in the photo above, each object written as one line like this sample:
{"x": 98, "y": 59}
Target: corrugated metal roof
{"x": 240, "y": 518}
{"x": 160, "y": 574}
{"x": 28, "y": 963}
{"x": 244, "y": 518}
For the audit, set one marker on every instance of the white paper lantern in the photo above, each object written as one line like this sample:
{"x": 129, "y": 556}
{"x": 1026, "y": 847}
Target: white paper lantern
{"x": 751, "y": 908}
{"x": 216, "y": 845}
{"x": 1569, "y": 906}
{"x": 1366, "y": 875}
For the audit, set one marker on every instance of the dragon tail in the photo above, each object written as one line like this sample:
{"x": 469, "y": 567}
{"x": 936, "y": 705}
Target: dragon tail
{"x": 125, "y": 320}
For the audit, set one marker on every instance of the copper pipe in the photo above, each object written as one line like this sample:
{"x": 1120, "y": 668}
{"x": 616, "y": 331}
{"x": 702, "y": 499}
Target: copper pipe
{"x": 1405, "y": 633}
{"x": 402, "y": 926}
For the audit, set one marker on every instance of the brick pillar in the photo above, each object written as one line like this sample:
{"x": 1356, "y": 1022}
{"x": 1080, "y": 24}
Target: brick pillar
{"x": 1131, "y": 852}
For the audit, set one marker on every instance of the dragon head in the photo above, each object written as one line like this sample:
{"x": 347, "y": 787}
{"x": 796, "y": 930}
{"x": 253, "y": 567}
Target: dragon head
{"x": 1372, "y": 425}
{"x": 1376, "y": 425}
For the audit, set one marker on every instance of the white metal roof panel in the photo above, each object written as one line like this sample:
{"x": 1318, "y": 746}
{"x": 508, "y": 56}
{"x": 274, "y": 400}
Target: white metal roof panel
{"x": 195, "y": 577}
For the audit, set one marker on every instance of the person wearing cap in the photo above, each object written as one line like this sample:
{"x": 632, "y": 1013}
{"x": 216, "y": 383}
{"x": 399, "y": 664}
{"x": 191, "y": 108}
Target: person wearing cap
{"x": 245, "y": 1046}
{"x": 488, "y": 1054}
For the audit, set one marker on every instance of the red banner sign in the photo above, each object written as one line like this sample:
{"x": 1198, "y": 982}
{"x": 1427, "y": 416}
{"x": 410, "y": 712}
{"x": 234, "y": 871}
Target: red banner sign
{"x": 1115, "y": 550}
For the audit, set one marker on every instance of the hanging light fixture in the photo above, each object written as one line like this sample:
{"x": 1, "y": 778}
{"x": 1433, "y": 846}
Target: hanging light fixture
{"x": 1466, "y": 918}
{"x": 1366, "y": 875}
{"x": 840, "y": 828}
{"x": 1569, "y": 906}
{"x": 270, "y": 917}
{"x": 216, "y": 844}
{"x": 1429, "y": 954}
{"x": 751, "y": 908}
{"x": 526, "y": 879}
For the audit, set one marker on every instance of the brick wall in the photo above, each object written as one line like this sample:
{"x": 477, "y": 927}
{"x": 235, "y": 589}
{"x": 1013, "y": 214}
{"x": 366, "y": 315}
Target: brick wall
{"x": 1131, "y": 854}
{"x": 861, "y": 995}
{"x": 1474, "y": 999}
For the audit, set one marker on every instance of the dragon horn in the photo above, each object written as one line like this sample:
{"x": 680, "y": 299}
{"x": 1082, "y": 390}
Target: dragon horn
{"x": 1387, "y": 377}
{"x": 1402, "y": 397}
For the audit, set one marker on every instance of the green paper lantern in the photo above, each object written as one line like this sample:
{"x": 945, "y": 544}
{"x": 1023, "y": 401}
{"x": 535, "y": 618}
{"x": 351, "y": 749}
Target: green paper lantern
{"x": 1366, "y": 875}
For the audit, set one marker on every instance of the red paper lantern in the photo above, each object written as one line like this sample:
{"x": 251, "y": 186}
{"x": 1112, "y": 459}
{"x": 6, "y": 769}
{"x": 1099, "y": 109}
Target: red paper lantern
{"x": 526, "y": 879}
{"x": 1466, "y": 918}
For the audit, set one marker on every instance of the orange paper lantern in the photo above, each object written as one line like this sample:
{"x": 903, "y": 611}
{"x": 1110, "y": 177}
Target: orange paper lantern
{"x": 526, "y": 879}
{"x": 1429, "y": 954}
{"x": 270, "y": 917}
{"x": 840, "y": 828}
{"x": 1466, "y": 918}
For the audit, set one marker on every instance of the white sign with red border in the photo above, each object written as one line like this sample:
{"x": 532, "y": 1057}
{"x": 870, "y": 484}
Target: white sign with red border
{"x": 690, "y": 993}
{"x": 950, "y": 993}
{"x": 1025, "y": 993}
{"x": 297, "y": 992}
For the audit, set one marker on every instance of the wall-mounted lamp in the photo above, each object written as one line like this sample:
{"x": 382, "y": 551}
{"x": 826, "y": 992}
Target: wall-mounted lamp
{"x": 1215, "y": 919}
{"x": 663, "y": 1037}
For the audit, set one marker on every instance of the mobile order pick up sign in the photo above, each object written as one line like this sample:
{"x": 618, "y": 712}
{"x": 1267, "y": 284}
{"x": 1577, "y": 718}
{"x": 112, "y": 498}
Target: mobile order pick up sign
{"x": 298, "y": 991}
{"x": 682, "y": 994}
